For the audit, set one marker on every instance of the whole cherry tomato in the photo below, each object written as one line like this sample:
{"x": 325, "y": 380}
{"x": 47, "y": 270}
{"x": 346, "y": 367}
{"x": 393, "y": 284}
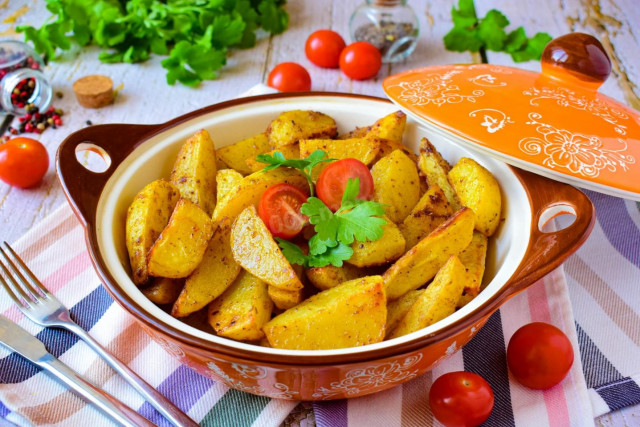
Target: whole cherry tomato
{"x": 279, "y": 209}
{"x": 360, "y": 60}
{"x": 333, "y": 180}
{"x": 539, "y": 355}
{"x": 461, "y": 399}
{"x": 23, "y": 162}
{"x": 289, "y": 77}
{"x": 323, "y": 48}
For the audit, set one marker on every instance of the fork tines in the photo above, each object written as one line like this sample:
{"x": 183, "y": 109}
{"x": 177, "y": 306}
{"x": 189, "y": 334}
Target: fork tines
{"x": 15, "y": 283}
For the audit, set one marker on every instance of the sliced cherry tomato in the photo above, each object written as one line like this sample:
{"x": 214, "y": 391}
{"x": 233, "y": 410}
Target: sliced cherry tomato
{"x": 539, "y": 355}
{"x": 289, "y": 77}
{"x": 360, "y": 60}
{"x": 461, "y": 399}
{"x": 333, "y": 180}
{"x": 323, "y": 48}
{"x": 279, "y": 208}
{"x": 23, "y": 162}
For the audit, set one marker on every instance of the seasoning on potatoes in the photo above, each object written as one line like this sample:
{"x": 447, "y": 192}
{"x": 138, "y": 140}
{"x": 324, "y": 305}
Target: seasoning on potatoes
{"x": 226, "y": 181}
{"x": 432, "y": 209}
{"x": 388, "y": 248}
{"x": 292, "y": 126}
{"x": 331, "y": 276}
{"x": 435, "y": 170}
{"x": 473, "y": 257}
{"x": 236, "y": 155}
{"x": 396, "y": 185}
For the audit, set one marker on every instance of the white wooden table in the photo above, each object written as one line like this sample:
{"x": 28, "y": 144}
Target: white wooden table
{"x": 144, "y": 96}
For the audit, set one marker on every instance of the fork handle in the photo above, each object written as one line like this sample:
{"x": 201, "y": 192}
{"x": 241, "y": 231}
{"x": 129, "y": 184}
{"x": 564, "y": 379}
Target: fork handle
{"x": 107, "y": 403}
{"x": 151, "y": 395}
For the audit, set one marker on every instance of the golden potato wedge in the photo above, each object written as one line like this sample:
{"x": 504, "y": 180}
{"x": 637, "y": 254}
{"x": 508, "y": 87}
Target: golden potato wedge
{"x": 437, "y": 301}
{"x": 242, "y": 310}
{"x": 435, "y": 170}
{"x": 330, "y": 276}
{"x": 163, "y": 291}
{"x": 396, "y": 185}
{"x": 227, "y": 180}
{"x": 288, "y": 151}
{"x": 362, "y": 149}
{"x": 473, "y": 257}
{"x": 292, "y": 126}
{"x": 215, "y": 273}
{"x": 431, "y": 211}
{"x": 182, "y": 243}
{"x": 390, "y": 127}
{"x": 384, "y": 250}
{"x": 285, "y": 299}
{"x": 351, "y": 314}
{"x": 146, "y": 218}
{"x": 255, "y": 250}
{"x": 236, "y": 155}
{"x": 194, "y": 172}
{"x": 250, "y": 189}
{"x": 358, "y": 132}
{"x": 387, "y": 147}
{"x": 477, "y": 189}
{"x": 396, "y": 310}
{"x": 422, "y": 262}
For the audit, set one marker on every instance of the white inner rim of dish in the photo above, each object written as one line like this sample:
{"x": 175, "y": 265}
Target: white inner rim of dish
{"x": 155, "y": 157}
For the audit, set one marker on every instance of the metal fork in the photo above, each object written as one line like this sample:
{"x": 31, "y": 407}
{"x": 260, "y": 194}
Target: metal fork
{"x": 39, "y": 305}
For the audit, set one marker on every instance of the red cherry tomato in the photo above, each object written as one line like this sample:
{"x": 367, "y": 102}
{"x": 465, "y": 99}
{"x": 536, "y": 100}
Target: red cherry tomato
{"x": 333, "y": 180}
{"x": 279, "y": 208}
{"x": 323, "y": 48}
{"x": 360, "y": 60}
{"x": 539, "y": 355}
{"x": 23, "y": 162}
{"x": 289, "y": 77}
{"x": 461, "y": 399}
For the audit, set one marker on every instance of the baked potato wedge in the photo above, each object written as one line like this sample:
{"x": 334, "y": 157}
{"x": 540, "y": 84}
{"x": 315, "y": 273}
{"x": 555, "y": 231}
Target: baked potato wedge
{"x": 194, "y": 172}
{"x": 147, "y": 216}
{"x": 435, "y": 169}
{"x": 255, "y": 250}
{"x": 163, "y": 291}
{"x": 288, "y": 151}
{"x": 390, "y": 127}
{"x": 437, "y": 301}
{"x": 362, "y": 149}
{"x": 215, "y": 273}
{"x": 284, "y": 299}
{"x": 182, "y": 243}
{"x": 384, "y": 250}
{"x": 330, "y": 276}
{"x": 477, "y": 189}
{"x": 351, "y": 314}
{"x": 396, "y": 185}
{"x": 473, "y": 257}
{"x": 396, "y": 310}
{"x": 432, "y": 210}
{"x": 227, "y": 180}
{"x": 292, "y": 126}
{"x": 420, "y": 263}
{"x": 236, "y": 155}
{"x": 242, "y": 310}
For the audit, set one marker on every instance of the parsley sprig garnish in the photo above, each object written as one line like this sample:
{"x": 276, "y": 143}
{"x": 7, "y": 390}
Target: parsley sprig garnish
{"x": 306, "y": 165}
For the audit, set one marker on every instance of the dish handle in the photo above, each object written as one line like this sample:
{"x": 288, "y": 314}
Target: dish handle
{"x": 113, "y": 143}
{"x": 548, "y": 249}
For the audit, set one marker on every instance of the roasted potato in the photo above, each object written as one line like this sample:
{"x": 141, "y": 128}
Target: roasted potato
{"x": 348, "y": 315}
{"x": 227, "y": 180}
{"x": 422, "y": 262}
{"x": 162, "y": 290}
{"x": 431, "y": 211}
{"x": 437, "y": 301}
{"x": 330, "y": 276}
{"x": 194, "y": 172}
{"x": 387, "y": 147}
{"x": 362, "y": 149}
{"x": 477, "y": 189}
{"x": 250, "y": 189}
{"x": 288, "y": 151}
{"x": 146, "y": 218}
{"x": 390, "y": 127}
{"x": 255, "y": 250}
{"x": 384, "y": 250}
{"x": 292, "y": 126}
{"x": 182, "y": 243}
{"x": 435, "y": 170}
{"x": 284, "y": 299}
{"x": 473, "y": 257}
{"x": 236, "y": 155}
{"x": 242, "y": 310}
{"x": 396, "y": 310}
{"x": 396, "y": 185}
{"x": 212, "y": 277}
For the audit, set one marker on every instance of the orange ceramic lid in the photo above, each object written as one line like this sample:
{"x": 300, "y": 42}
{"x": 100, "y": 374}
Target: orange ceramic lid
{"x": 553, "y": 123}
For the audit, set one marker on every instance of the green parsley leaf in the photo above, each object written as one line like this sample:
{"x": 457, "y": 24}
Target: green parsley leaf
{"x": 326, "y": 223}
{"x": 306, "y": 165}
{"x": 333, "y": 255}
{"x": 361, "y": 223}
{"x": 292, "y": 252}
{"x": 491, "y": 30}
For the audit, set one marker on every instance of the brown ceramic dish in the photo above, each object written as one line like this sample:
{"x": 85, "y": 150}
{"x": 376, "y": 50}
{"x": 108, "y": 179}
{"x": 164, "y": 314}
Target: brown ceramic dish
{"x": 519, "y": 255}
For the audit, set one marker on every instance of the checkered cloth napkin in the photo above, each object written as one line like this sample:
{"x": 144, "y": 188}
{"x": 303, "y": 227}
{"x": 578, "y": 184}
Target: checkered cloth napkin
{"x": 594, "y": 300}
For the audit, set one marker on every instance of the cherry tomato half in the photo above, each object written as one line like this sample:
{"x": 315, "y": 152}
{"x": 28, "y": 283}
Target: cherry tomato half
{"x": 289, "y": 77}
{"x": 461, "y": 399}
{"x": 539, "y": 355}
{"x": 333, "y": 180}
{"x": 323, "y": 48}
{"x": 360, "y": 60}
{"x": 279, "y": 208}
{"x": 23, "y": 162}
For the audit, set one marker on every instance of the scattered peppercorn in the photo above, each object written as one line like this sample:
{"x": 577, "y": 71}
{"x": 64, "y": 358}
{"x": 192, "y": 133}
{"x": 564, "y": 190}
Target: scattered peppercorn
{"x": 36, "y": 122}
{"x": 88, "y": 123}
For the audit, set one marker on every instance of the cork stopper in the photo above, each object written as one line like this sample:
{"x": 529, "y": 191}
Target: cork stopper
{"x": 94, "y": 91}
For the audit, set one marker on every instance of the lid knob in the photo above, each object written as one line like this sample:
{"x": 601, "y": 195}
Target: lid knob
{"x": 576, "y": 58}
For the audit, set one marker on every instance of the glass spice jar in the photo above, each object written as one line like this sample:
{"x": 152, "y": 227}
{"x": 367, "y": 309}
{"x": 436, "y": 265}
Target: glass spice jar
{"x": 390, "y": 25}
{"x": 22, "y": 82}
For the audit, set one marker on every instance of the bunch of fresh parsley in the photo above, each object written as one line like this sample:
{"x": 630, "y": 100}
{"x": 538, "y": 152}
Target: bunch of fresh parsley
{"x": 196, "y": 34}
{"x": 356, "y": 219}
{"x": 470, "y": 33}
